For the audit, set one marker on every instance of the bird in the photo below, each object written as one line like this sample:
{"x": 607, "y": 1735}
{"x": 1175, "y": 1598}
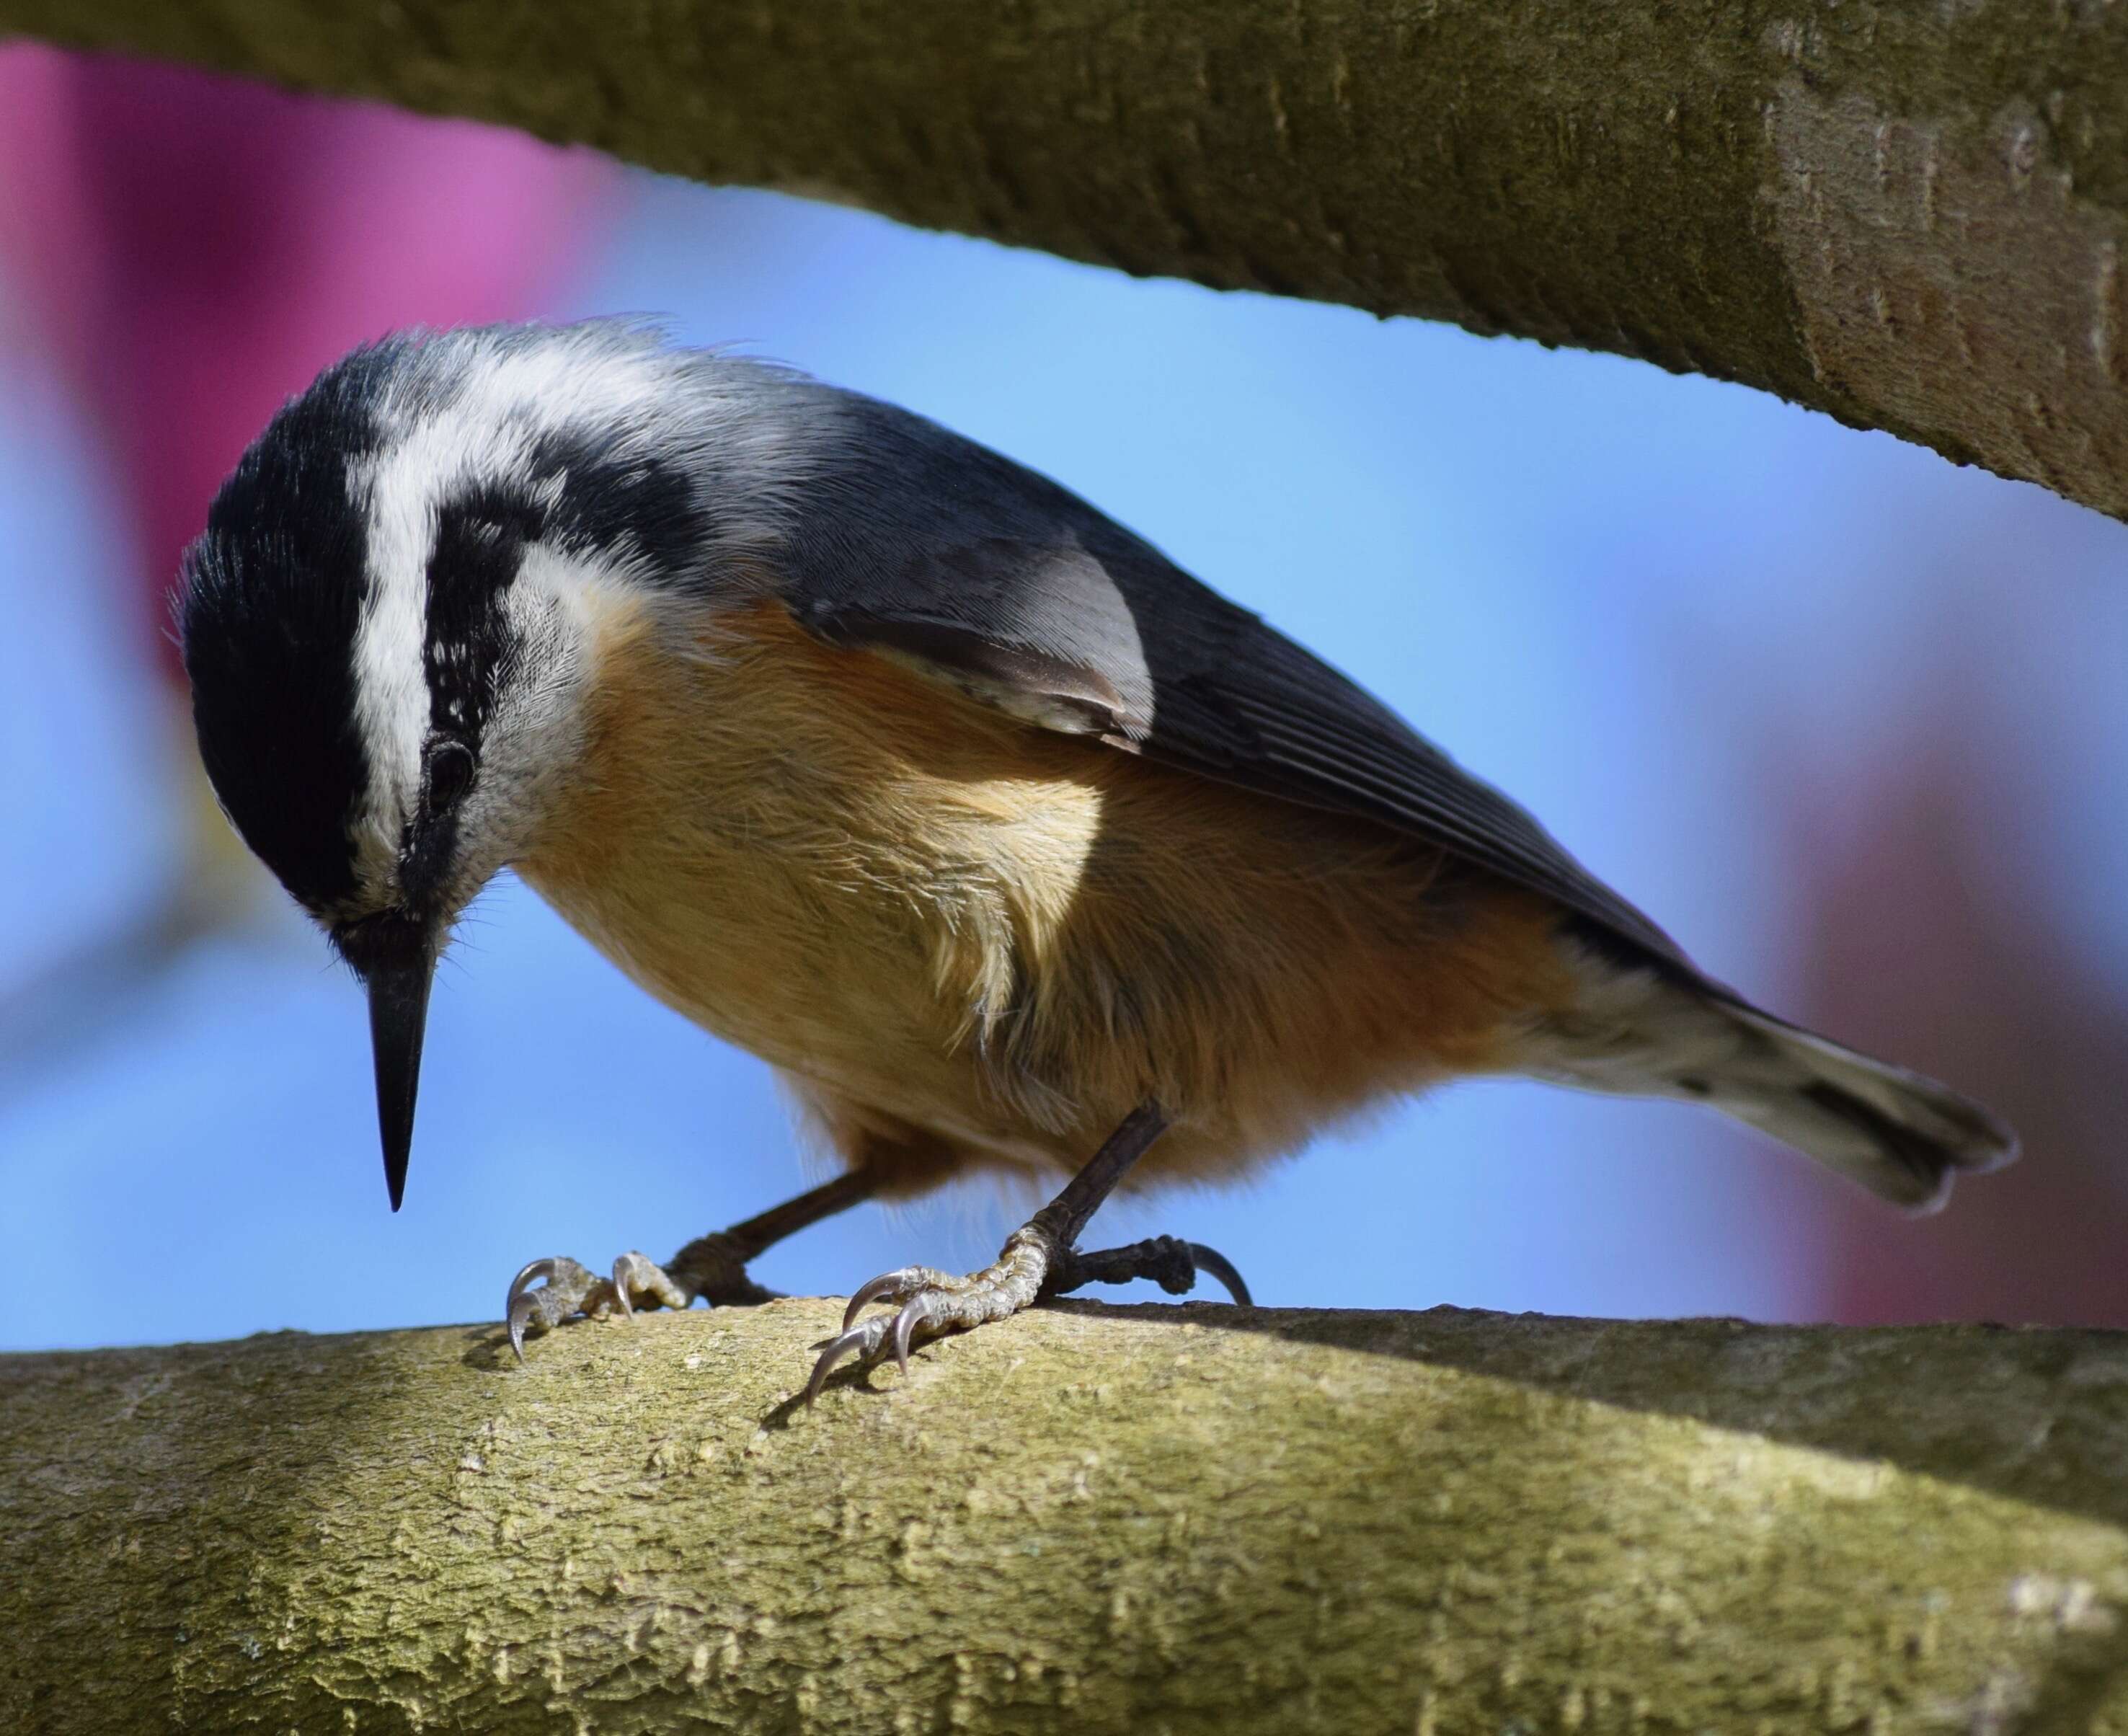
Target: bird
{"x": 1014, "y": 849}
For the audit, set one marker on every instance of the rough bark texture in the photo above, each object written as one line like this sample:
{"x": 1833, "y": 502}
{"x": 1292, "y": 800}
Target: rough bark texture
{"x": 1086, "y": 1520}
{"x": 1910, "y": 216}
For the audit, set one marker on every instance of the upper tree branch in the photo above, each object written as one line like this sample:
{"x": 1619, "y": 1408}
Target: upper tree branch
{"x": 1910, "y": 216}
{"x": 1190, "y": 1521}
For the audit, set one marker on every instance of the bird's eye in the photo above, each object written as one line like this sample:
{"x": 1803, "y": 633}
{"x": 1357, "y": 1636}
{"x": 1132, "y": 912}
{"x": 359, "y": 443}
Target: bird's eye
{"x": 448, "y": 774}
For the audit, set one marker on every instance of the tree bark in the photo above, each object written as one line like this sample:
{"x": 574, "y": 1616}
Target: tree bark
{"x": 1910, "y": 216}
{"x": 1087, "y": 1520}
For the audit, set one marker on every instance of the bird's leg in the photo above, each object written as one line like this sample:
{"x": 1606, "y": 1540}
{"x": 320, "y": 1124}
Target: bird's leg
{"x": 1039, "y": 1259}
{"x": 711, "y": 1267}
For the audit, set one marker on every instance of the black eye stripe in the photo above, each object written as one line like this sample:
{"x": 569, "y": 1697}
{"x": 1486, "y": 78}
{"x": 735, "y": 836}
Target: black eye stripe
{"x": 481, "y": 536}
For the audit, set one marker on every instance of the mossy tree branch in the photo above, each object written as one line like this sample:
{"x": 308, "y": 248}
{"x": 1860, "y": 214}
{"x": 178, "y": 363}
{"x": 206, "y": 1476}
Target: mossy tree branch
{"x": 1086, "y": 1520}
{"x": 1910, "y": 216}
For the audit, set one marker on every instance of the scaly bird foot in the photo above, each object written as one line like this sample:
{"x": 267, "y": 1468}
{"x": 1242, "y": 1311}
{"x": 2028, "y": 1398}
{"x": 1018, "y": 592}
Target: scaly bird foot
{"x": 1030, "y": 1267}
{"x": 572, "y": 1289}
{"x": 710, "y": 1266}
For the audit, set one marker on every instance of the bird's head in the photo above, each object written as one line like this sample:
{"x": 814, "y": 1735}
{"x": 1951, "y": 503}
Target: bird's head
{"x": 385, "y": 627}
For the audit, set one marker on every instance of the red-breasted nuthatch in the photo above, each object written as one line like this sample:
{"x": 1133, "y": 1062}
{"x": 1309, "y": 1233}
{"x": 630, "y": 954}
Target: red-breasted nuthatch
{"x": 1003, "y": 839}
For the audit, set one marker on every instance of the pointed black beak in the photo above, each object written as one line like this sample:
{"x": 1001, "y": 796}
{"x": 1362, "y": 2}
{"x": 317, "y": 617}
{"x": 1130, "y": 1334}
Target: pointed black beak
{"x": 398, "y": 1015}
{"x": 397, "y": 962}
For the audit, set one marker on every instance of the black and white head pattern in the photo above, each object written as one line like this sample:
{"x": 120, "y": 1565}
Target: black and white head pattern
{"x": 383, "y": 620}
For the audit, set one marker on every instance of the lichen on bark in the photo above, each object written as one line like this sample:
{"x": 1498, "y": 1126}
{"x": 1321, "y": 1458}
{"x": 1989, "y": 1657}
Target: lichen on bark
{"x": 1185, "y": 1520}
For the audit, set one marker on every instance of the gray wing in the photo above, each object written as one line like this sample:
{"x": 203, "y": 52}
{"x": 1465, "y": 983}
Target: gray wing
{"x": 912, "y": 541}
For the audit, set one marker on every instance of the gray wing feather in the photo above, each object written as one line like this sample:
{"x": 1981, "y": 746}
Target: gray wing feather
{"x": 915, "y": 542}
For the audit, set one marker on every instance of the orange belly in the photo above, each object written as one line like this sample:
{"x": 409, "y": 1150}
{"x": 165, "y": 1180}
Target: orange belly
{"x": 983, "y": 942}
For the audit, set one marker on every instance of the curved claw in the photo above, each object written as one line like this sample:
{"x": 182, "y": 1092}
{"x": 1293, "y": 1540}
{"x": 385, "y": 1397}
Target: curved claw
{"x": 518, "y": 1318}
{"x": 531, "y": 1270}
{"x": 862, "y": 1340}
{"x": 635, "y": 1272}
{"x": 897, "y": 1286}
{"x": 626, "y": 1270}
{"x": 1211, "y": 1260}
{"x": 878, "y": 1290}
{"x": 905, "y": 1327}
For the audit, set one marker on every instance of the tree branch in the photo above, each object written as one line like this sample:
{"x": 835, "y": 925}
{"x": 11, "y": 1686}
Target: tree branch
{"x": 1201, "y": 1519}
{"x": 1910, "y": 216}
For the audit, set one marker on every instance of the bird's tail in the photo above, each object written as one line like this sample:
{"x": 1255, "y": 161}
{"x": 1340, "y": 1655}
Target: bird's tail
{"x": 1901, "y": 1135}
